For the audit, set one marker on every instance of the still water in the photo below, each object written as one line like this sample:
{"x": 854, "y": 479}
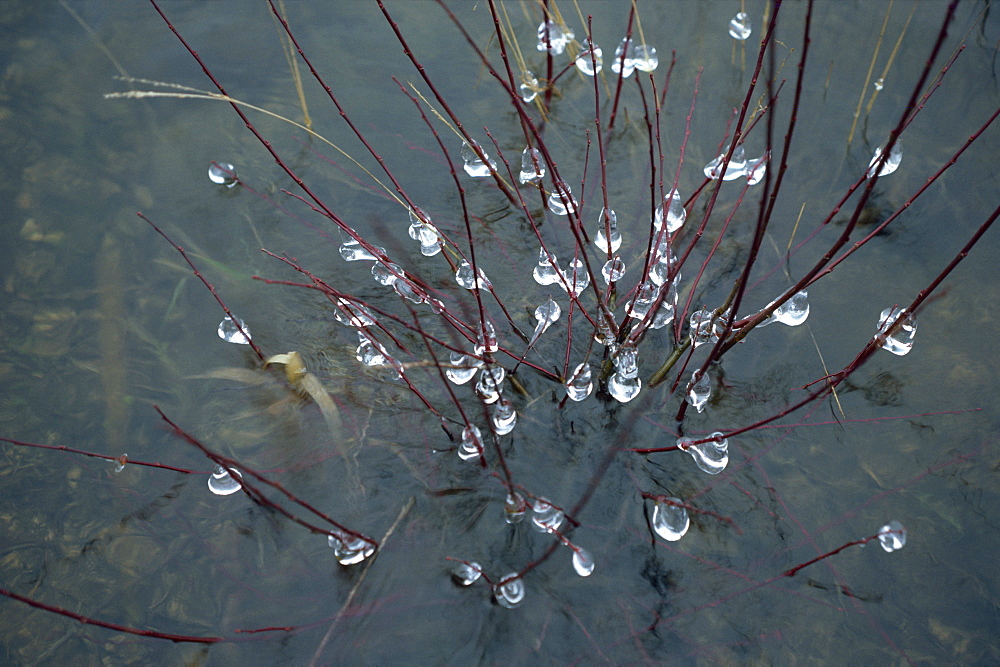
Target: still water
{"x": 101, "y": 320}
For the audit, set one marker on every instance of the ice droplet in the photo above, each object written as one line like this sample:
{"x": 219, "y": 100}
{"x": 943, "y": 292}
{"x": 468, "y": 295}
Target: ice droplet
{"x": 529, "y": 88}
{"x": 546, "y": 273}
{"x": 791, "y": 313}
{"x": 613, "y": 270}
{"x": 706, "y": 327}
{"x": 879, "y": 83}
{"x": 386, "y": 274}
{"x": 532, "y": 165}
{"x": 464, "y": 277}
{"x": 474, "y": 165}
{"x": 425, "y": 233}
{"x": 222, "y": 173}
{"x": 546, "y": 315}
{"x": 736, "y": 167}
{"x": 644, "y": 297}
{"x": 487, "y": 339}
{"x": 699, "y": 390}
{"x": 490, "y": 384}
{"x": 349, "y": 549}
{"x": 583, "y": 562}
{"x": 644, "y": 58}
{"x": 739, "y": 27}
{"x": 580, "y": 384}
{"x": 545, "y": 517}
{"x": 901, "y": 341}
{"x": 711, "y": 456}
{"x": 561, "y": 200}
{"x": 504, "y": 417}
{"x": 120, "y": 462}
{"x": 624, "y": 65}
{"x": 466, "y": 574}
{"x": 229, "y": 332}
{"x": 352, "y": 314}
{"x": 892, "y": 536}
{"x": 553, "y": 37}
{"x": 756, "y": 169}
{"x": 601, "y": 237}
{"x": 510, "y": 591}
{"x": 514, "y": 507}
{"x": 589, "y": 56}
{"x": 352, "y": 251}
{"x": 472, "y": 444}
{"x": 676, "y": 215}
{"x": 369, "y": 352}
{"x": 895, "y": 157}
{"x": 670, "y": 519}
{"x": 224, "y": 482}
{"x": 576, "y": 277}
{"x": 465, "y": 368}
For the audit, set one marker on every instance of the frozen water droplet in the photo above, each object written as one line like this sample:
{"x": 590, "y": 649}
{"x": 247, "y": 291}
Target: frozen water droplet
{"x": 613, "y": 270}
{"x": 504, "y": 417}
{"x": 224, "y": 482}
{"x": 626, "y": 361}
{"x": 487, "y": 340}
{"x": 510, "y": 591}
{"x": 644, "y": 58}
{"x": 892, "y": 536}
{"x": 529, "y": 88}
{"x": 699, "y": 390}
{"x": 879, "y": 83}
{"x": 553, "y": 37}
{"x": 546, "y": 273}
{"x": 406, "y": 289}
{"x": 532, "y": 165}
{"x": 901, "y": 341}
{"x": 369, "y": 352}
{"x": 706, "y": 328}
{"x": 739, "y": 27}
{"x": 735, "y": 169}
{"x": 425, "y": 233}
{"x": 352, "y": 251}
{"x": 222, "y": 173}
{"x": 676, "y": 215}
{"x": 711, "y": 456}
{"x": 352, "y": 314}
{"x": 465, "y": 368}
{"x": 472, "y": 444}
{"x": 601, "y": 238}
{"x": 561, "y": 200}
{"x": 576, "y": 277}
{"x": 756, "y": 169}
{"x": 120, "y": 462}
{"x": 624, "y": 384}
{"x": 644, "y": 297}
{"x": 229, "y": 332}
{"x": 895, "y": 157}
{"x": 350, "y": 549}
{"x": 465, "y": 278}
{"x": 670, "y": 519}
{"x": 490, "y": 384}
{"x": 791, "y": 313}
{"x": 604, "y": 334}
{"x": 583, "y": 562}
{"x": 514, "y": 507}
{"x": 466, "y": 574}
{"x": 474, "y": 165}
{"x": 386, "y": 274}
{"x": 546, "y": 315}
{"x": 624, "y": 62}
{"x": 588, "y": 57}
{"x": 665, "y": 313}
{"x": 545, "y": 517}
{"x": 580, "y": 384}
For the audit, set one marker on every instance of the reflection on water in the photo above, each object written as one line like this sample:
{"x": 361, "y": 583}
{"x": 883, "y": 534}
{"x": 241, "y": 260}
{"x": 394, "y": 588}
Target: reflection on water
{"x": 101, "y": 320}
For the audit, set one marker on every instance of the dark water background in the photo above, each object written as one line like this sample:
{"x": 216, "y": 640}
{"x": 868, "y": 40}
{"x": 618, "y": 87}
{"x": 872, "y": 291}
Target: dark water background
{"x": 101, "y": 320}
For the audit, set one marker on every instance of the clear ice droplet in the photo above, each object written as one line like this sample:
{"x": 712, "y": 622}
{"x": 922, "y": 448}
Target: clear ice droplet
{"x": 576, "y": 277}
{"x": 223, "y": 482}
{"x": 739, "y": 26}
{"x": 472, "y": 444}
{"x": 892, "y": 536}
{"x": 580, "y": 385}
{"x": 466, "y": 574}
{"x": 465, "y": 368}
{"x": 229, "y": 332}
{"x": 675, "y": 213}
{"x": 369, "y": 352}
{"x": 553, "y": 37}
{"x": 624, "y": 62}
{"x": 699, "y": 390}
{"x": 901, "y": 342}
{"x": 644, "y": 58}
{"x": 791, "y": 313}
{"x": 583, "y": 562}
{"x": 589, "y": 56}
{"x": 613, "y": 270}
{"x": 705, "y": 327}
{"x": 510, "y": 591}
{"x": 601, "y": 238}
{"x": 487, "y": 339}
{"x": 352, "y": 251}
{"x": 891, "y": 165}
{"x": 623, "y": 389}
{"x": 474, "y": 165}
{"x": 711, "y": 456}
{"x": 546, "y": 315}
{"x": 756, "y": 169}
{"x": 222, "y": 173}
{"x": 465, "y": 277}
{"x": 504, "y": 417}
{"x": 529, "y": 88}
{"x": 736, "y": 167}
{"x": 545, "y": 517}
{"x": 514, "y": 507}
{"x": 490, "y": 384}
{"x": 546, "y": 273}
{"x": 386, "y": 274}
{"x": 120, "y": 462}
{"x": 532, "y": 166}
{"x": 350, "y": 549}
{"x": 670, "y": 519}
{"x": 561, "y": 200}
{"x": 879, "y": 83}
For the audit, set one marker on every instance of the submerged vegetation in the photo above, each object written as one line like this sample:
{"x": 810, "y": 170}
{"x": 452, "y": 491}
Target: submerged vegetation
{"x": 512, "y": 350}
